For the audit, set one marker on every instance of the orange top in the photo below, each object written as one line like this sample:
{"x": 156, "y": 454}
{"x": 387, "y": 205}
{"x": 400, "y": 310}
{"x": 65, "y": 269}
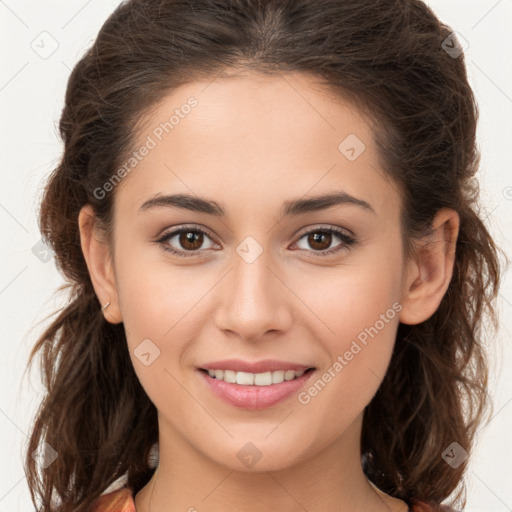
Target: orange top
{"x": 122, "y": 501}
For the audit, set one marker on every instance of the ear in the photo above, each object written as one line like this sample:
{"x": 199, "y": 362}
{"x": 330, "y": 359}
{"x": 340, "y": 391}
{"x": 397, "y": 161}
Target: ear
{"x": 98, "y": 257}
{"x": 429, "y": 273}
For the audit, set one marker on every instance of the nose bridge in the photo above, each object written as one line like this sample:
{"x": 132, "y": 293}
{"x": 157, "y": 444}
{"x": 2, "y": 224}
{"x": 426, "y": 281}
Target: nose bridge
{"x": 252, "y": 278}
{"x": 252, "y": 300}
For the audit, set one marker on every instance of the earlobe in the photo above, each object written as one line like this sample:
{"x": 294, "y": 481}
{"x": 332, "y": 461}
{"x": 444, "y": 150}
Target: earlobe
{"x": 429, "y": 276}
{"x": 99, "y": 263}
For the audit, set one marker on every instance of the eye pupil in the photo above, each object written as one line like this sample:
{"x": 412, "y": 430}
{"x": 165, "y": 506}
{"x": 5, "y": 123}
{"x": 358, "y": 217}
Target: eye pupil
{"x": 315, "y": 240}
{"x": 187, "y": 240}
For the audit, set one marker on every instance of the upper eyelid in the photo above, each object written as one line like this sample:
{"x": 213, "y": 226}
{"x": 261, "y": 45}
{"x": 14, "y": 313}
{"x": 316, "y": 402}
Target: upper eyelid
{"x": 175, "y": 231}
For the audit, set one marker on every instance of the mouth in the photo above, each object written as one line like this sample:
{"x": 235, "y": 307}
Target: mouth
{"x": 249, "y": 390}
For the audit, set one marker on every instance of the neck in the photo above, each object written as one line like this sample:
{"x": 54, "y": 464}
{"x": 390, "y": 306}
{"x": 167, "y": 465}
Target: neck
{"x": 331, "y": 480}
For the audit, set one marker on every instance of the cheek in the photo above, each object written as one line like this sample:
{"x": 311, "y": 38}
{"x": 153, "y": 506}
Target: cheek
{"x": 155, "y": 296}
{"x": 347, "y": 299}
{"x": 356, "y": 309}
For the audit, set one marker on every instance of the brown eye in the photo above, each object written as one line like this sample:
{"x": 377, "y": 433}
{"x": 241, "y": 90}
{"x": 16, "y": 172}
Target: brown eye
{"x": 319, "y": 241}
{"x": 191, "y": 240}
{"x": 186, "y": 241}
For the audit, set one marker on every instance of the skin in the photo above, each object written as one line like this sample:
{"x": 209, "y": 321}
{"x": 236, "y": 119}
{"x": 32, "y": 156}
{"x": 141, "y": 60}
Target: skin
{"x": 289, "y": 304}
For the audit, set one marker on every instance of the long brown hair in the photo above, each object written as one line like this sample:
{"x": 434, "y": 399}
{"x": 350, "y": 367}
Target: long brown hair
{"x": 389, "y": 58}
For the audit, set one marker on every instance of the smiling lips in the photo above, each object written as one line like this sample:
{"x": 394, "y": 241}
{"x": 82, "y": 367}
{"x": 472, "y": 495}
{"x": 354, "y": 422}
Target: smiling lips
{"x": 255, "y": 385}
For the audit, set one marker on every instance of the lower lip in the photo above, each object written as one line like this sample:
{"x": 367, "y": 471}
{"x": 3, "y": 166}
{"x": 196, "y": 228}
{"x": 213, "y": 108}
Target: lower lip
{"x": 255, "y": 397}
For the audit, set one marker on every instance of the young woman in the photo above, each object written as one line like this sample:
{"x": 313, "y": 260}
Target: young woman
{"x": 267, "y": 214}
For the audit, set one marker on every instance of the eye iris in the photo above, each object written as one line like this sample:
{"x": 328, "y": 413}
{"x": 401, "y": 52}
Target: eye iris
{"x": 314, "y": 240}
{"x": 187, "y": 238}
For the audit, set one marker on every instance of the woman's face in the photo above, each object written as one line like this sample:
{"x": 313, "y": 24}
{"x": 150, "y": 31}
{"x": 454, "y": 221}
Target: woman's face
{"x": 247, "y": 155}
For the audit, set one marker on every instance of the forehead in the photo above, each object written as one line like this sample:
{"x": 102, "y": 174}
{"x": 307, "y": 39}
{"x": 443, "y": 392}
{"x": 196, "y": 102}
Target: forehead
{"x": 254, "y": 138}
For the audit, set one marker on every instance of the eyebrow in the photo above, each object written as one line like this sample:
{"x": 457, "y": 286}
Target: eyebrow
{"x": 290, "y": 208}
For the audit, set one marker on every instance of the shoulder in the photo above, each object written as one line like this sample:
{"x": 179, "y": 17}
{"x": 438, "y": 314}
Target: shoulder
{"x": 120, "y": 500}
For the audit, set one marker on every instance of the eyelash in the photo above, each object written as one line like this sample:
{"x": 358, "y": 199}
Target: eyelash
{"x": 347, "y": 240}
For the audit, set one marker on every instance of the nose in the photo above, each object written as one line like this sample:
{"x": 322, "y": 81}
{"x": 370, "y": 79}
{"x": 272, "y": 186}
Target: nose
{"x": 254, "y": 300}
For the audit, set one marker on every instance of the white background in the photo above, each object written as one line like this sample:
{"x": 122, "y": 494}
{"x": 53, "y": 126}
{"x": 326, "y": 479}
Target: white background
{"x": 31, "y": 97}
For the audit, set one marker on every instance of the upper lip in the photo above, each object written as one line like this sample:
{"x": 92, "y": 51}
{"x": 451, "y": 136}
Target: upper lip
{"x": 266, "y": 365}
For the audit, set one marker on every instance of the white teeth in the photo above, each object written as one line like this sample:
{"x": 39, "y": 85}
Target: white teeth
{"x": 230, "y": 376}
{"x": 263, "y": 379}
{"x": 247, "y": 379}
{"x": 255, "y": 379}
